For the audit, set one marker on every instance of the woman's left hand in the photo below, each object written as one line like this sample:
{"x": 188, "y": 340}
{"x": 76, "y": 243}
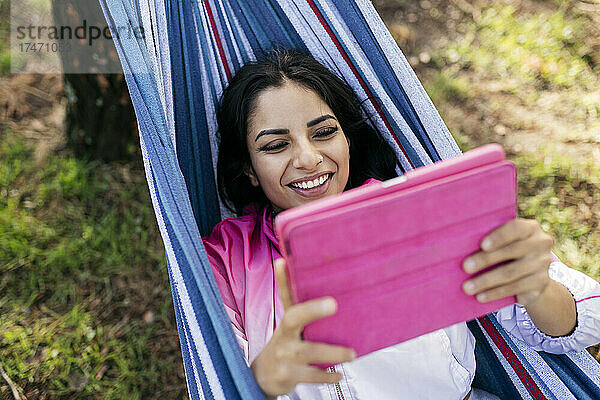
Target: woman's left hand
{"x": 525, "y": 248}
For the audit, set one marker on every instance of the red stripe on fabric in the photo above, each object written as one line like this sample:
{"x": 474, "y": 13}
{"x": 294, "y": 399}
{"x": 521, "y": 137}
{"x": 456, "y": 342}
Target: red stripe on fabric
{"x": 588, "y": 298}
{"x": 335, "y": 40}
{"x": 213, "y": 25}
{"x": 512, "y": 359}
{"x": 338, "y": 389}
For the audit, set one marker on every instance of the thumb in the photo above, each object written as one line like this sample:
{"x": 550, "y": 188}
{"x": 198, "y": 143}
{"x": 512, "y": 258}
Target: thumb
{"x": 283, "y": 282}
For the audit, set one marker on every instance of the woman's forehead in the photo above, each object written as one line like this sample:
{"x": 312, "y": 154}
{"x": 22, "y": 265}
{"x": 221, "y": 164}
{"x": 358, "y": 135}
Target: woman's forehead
{"x": 287, "y": 105}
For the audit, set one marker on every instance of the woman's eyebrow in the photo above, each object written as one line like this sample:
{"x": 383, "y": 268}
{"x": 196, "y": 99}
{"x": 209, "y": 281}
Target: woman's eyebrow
{"x": 319, "y": 119}
{"x": 272, "y": 132}
{"x": 287, "y": 131}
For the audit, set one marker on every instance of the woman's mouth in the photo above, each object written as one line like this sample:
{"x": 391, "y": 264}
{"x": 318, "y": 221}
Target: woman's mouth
{"x": 312, "y": 188}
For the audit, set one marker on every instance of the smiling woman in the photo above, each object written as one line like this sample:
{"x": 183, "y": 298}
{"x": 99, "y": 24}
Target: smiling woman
{"x": 305, "y": 157}
{"x": 286, "y": 121}
{"x": 292, "y": 132}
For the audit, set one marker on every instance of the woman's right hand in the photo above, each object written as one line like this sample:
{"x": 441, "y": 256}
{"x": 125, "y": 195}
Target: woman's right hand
{"x": 285, "y": 360}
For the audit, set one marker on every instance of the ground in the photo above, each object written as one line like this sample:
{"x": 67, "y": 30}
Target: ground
{"x": 85, "y": 304}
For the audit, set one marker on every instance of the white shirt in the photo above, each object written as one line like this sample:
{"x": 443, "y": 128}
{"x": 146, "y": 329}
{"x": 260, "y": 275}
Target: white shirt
{"x": 438, "y": 365}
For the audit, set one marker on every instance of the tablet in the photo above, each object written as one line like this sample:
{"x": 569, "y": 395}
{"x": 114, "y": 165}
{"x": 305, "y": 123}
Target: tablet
{"x": 391, "y": 252}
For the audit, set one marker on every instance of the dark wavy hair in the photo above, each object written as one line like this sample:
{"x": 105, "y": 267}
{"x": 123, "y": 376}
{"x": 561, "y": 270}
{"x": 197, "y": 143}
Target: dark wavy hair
{"x": 370, "y": 155}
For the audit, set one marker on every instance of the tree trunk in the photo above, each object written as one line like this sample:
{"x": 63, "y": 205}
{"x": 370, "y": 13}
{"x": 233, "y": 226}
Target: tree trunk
{"x": 100, "y": 121}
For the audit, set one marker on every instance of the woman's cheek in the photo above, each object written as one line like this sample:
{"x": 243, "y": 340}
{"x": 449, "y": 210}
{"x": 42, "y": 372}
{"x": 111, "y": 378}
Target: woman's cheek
{"x": 343, "y": 164}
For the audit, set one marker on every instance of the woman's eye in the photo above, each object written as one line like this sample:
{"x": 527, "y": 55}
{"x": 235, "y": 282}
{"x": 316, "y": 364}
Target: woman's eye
{"x": 326, "y": 132}
{"x": 273, "y": 147}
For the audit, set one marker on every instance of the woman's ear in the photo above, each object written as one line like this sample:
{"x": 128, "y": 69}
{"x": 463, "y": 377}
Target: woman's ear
{"x": 249, "y": 171}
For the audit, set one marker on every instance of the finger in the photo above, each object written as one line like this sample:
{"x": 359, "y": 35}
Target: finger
{"x": 322, "y": 353}
{"x": 538, "y": 243}
{"x": 284, "y": 284}
{"x": 501, "y": 275}
{"x": 481, "y": 260}
{"x": 516, "y": 229}
{"x": 297, "y": 316}
{"x": 525, "y": 289}
{"x": 308, "y": 374}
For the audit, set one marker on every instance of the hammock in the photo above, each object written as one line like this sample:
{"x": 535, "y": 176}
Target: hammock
{"x": 175, "y": 75}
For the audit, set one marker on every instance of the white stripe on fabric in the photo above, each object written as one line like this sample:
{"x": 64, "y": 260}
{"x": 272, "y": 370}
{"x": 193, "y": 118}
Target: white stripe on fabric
{"x": 586, "y": 362}
{"x": 137, "y": 68}
{"x": 230, "y": 34}
{"x": 149, "y": 16}
{"x": 310, "y": 28}
{"x": 188, "y": 311}
{"x": 199, "y": 391}
{"x": 209, "y": 104}
{"x": 307, "y": 34}
{"x": 316, "y": 39}
{"x": 148, "y": 13}
{"x": 505, "y": 364}
{"x": 238, "y": 28}
{"x": 211, "y": 54}
{"x": 166, "y": 89}
{"x": 199, "y": 345}
{"x": 433, "y": 123}
{"x": 545, "y": 373}
{"x": 163, "y": 231}
{"x": 363, "y": 64}
{"x": 192, "y": 376}
{"x": 148, "y": 32}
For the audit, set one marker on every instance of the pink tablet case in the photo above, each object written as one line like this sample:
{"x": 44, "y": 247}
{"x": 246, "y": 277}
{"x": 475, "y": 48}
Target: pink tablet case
{"x": 391, "y": 253}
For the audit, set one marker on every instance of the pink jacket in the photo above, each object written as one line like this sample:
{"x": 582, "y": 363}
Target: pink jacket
{"x": 242, "y": 252}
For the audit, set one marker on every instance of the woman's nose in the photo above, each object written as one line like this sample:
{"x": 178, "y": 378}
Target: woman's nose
{"x": 307, "y": 157}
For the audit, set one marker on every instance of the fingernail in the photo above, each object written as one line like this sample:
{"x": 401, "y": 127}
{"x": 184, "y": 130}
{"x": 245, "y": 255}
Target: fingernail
{"x": 328, "y": 305}
{"x": 486, "y": 244}
{"x": 469, "y": 265}
{"x": 469, "y": 287}
{"x": 352, "y": 355}
{"x": 481, "y": 297}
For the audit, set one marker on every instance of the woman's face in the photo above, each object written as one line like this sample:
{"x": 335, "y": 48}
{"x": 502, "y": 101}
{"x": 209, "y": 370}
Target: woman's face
{"x": 298, "y": 150}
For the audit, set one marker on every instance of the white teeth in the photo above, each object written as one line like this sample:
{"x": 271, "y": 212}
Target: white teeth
{"x": 311, "y": 184}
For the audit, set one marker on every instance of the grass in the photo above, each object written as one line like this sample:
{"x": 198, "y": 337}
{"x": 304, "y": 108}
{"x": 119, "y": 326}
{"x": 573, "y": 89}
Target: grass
{"x": 541, "y": 59}
{"x": 85, "y": 304}
{"x": 565, "y": 198}
{"x": 4, "y": 37}
{"x": 543, "y": 48}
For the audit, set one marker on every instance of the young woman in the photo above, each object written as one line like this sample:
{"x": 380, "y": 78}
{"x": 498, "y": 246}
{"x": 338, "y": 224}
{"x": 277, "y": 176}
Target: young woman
{"x": 292, "y": 132}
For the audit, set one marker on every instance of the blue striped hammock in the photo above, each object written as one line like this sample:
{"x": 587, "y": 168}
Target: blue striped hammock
{"x": 175, "y": 75}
